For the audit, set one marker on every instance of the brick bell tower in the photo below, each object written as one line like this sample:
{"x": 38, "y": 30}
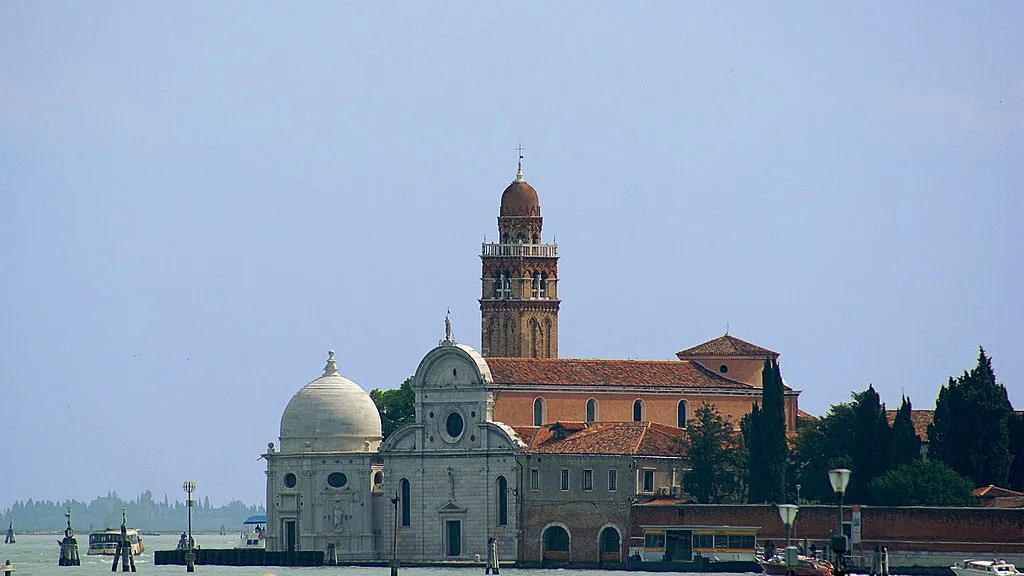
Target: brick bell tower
{"x": 519, "y": 300}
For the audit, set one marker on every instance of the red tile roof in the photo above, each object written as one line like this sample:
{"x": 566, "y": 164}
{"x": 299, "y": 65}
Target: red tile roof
{"x": 618, "y": 438}
{"x": 725, "y": 346}
{"x": 992, "y": 491}
{"x": 591, "y": 372}
{"x": 919, "y": 418}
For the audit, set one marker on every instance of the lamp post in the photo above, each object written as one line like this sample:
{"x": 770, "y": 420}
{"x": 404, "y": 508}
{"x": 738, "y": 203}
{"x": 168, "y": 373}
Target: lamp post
{"x": 839, "y": 478}
{"x": 189, "y": 486}
{"x": 394, "y": 538}
{"x": 788, "y": 514}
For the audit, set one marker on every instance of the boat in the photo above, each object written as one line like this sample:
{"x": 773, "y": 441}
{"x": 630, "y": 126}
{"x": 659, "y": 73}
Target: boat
{"x": 104, "y": 542}
{"x": 993, "y": 567}
{"x": 253, "y": 531}
{"x": 803, "y": 566}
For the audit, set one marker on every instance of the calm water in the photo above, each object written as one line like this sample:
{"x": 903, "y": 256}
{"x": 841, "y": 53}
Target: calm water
{"x": 37, "y": 554}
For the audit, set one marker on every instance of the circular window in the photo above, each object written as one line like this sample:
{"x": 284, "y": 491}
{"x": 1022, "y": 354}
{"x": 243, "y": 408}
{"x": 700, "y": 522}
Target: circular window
{"x": 336, "y": 480}
{"x": 453, "y": 424}
{"x": 289, "y": 480}
{"x": 723, "y": 368}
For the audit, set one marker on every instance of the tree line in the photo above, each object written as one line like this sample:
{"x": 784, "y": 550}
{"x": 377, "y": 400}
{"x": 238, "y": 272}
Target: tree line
{"x": 975, "y": 439}
{"x": 143, "y": 512}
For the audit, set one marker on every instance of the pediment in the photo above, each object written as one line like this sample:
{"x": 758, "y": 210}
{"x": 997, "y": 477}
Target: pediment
{"x": 451, "y": 508}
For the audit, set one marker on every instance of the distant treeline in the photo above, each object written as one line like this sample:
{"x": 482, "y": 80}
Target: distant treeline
{"x": 143, "y": 513}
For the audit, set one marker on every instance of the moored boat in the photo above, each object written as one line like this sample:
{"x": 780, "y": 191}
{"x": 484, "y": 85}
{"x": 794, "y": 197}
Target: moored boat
{"x": 104, "y": 542}
{"x": 803, "y": 566}
{"x": 976, "y": 567}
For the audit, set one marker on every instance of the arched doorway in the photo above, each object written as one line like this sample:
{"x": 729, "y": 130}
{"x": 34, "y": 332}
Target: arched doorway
{"x": 555, "y": 544}
{"x": 610, "y": 545}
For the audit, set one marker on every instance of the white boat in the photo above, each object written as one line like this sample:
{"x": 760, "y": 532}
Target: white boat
{"x": 104, "y": 542}
{"x": 994, "y": 567}
{"x": 253, "y": 530}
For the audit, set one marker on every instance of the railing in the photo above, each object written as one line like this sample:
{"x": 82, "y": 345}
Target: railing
{"x": 541, "y": 250}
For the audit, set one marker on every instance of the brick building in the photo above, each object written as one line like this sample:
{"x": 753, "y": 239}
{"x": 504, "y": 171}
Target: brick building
{"x": 519, "y": 307}
{"x": 580, "y": 483}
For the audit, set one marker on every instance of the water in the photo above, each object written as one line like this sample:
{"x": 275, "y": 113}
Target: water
{"x": 36, "y": 554}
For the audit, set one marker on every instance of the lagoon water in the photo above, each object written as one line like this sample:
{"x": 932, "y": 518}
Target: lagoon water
{"x": 36, "y": 554}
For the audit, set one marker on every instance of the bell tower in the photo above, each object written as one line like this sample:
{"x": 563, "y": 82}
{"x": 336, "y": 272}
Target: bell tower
{"x": 519, "y": 297}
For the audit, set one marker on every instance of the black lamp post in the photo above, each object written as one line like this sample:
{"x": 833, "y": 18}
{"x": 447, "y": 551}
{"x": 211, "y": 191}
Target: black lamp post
{"x": 394, "y": 538}
{"x": 189, "y": 486}
{"x": 839, "y": 478}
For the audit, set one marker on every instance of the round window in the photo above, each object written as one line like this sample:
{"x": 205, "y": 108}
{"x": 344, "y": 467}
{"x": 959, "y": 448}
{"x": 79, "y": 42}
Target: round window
{"x": 336, "y": 480}
{"x": 723, "y": 368}
{"x": 453, "y": 424}
{"x": 289, "y": 480}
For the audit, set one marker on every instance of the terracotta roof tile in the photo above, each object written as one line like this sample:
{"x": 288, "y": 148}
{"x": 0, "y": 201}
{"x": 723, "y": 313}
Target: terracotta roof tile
{"x": 992, "y": 491}
{"x": 619, "y": 438}
{"x": 593, "y": 372}
{"x": 725, "y": 346}
{"x": 920, "y": 419}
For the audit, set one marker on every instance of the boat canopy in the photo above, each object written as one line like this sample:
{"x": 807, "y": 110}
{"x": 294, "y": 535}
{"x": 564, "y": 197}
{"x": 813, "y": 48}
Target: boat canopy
{"x": 257, "y": 519}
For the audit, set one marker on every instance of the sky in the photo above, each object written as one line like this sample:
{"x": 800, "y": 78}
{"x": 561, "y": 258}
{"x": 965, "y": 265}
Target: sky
{"x": 200, "y": 199}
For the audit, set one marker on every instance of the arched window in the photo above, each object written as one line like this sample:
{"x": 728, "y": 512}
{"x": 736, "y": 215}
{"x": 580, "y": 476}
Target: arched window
{"x": 591, "y": 410}
{"x": 638, "y": 410}
{"x": 610, "y": 540}
{"x": 556, "y": 539}
{"x": 681, "y": 414}
{"x": 502, "y": 489}
{"x": 406, "y": 508}
{"x": 538, "y": 412}
{"x": 535, "y": 291}
{"x": 543, "y": 284}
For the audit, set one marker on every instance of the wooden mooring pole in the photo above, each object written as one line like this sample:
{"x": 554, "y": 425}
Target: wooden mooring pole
{"x": 124, "y": 547}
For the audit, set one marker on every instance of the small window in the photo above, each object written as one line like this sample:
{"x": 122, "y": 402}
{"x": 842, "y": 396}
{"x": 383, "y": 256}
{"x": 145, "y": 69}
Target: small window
{"x": 654, "y": 540}
{"x": 403, "y": 485}
{"x": 564, "y": 480}
{"x": 681, "y": 414}
{"x": 453, "y": 425}
{"x": 289, "y": 480}
{"x": 534, "y": 479}
{"x": 648, "y": 481}
{"x": 591, "y": 410}
{"x": 588, "y": 480}
{"x": 613, "y": 480}
{"x": 378, "y": 479}
{"x": 723, "y": 368}
{"x": 638, "y": 410}
{"x": 538, "y": 412}
{"x": 502, "y": 487}
{"x": 336, "y": 480}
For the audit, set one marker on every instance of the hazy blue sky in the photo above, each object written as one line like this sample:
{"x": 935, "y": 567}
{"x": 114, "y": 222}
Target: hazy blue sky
{"x": 200, "y": 199}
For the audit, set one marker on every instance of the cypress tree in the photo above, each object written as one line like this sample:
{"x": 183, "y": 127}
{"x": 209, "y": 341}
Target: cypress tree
{"x": 750, "y": 426}
{"x": 773, "y": 425}
{"x": 872, "y": 440}
{"x": 906, "y": 444}
{"x": 971, "y": 428}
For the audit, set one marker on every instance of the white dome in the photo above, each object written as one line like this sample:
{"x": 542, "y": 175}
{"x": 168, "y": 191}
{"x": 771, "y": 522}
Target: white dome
{"x": 330, "y": 414}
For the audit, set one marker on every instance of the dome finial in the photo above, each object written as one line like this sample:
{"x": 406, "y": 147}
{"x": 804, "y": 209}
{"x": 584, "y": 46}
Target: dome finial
{"x": 332, "y": 368}
{"x": 519, "y": 171}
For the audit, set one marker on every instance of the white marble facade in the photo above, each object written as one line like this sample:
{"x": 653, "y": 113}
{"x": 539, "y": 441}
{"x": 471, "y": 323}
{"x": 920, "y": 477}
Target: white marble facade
{"x": 453, "y": 470}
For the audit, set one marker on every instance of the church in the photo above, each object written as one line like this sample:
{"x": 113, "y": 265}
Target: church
{"x": 510, "y": 444}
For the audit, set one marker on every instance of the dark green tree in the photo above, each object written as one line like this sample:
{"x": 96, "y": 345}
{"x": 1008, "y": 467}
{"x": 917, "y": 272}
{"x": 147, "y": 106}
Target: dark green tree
{"x": 906, "y": 444}
{"x": 871, "y": 444}
{"x": 755, "y": 454}
{"x": 971, "y": 428}
{"x": 714, "y": 454}
{"x": 922, "y": 483}
{"x": 1017, "y": 451}
{"x": 397, "y": 406}
{"x": 820, "y": 447}
{"x": 766, "y": 439}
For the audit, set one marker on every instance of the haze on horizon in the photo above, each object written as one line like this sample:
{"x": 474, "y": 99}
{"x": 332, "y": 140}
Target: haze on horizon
{"x": 200, "y": 200}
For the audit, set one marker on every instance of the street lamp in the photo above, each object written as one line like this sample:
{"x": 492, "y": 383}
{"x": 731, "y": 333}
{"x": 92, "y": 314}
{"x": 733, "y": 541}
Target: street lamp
{"x": 189, "y": 486}
{"x": 394, "y": 538}
{"x": 839, "y": 478}
{"x": 788, "y": 514}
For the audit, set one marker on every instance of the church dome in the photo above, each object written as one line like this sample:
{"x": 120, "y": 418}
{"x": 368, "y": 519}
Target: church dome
{"x": 330, "y": 414}
{"x": 519, "y": 199}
